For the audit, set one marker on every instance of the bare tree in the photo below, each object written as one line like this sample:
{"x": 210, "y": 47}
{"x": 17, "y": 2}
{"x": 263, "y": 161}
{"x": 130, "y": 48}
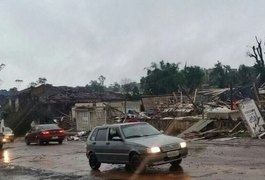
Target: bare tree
{"x": 126, "y": 85}
{"x": 257, "y": 54}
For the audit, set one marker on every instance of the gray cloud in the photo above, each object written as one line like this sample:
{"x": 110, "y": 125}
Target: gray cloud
{"x": 72, "y": 42}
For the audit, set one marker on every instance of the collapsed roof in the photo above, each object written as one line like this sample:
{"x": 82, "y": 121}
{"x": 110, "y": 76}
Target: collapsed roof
{"x": 58, "y": 94}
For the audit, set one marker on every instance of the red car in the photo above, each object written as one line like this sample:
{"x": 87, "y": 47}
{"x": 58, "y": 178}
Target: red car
{"x": 45, "y": 133}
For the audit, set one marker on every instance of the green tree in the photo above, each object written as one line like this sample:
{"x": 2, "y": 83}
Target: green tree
{"x": 246, "y": 74}
{"x": 41, "y": 80}
{"x": 135, "y": 93}
{"x": 32, "y": 84}
{"x": 217, "y": 76}
{"x": 162, "y": 78}
{"x": 130, "y": 89}
{"x": 116, "y": 87}
{"x": 193, "y": 77}
{"x": 222, "y": 76}
{"x": 95, "y": 86}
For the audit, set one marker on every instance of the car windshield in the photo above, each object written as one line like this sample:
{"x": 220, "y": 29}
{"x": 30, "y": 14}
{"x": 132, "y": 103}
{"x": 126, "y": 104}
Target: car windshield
{"x": 139, "y": 130}
{"x": 8, "y": 129}
{"x": 48, "y": 126}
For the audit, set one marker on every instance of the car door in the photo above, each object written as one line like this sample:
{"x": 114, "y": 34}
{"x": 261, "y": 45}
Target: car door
{"x": 99, "y": 145}
{"x": 32, "y": 134}
{"x": 117, "y": 149}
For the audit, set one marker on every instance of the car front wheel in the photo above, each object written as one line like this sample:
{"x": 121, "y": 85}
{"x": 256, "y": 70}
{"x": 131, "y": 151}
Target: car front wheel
{"x": 93, "y": 161}
{"x": 136, "y": 164}
{"x": 176, "y": 163}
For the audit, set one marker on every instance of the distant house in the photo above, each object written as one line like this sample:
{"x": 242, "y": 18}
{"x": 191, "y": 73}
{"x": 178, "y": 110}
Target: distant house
{"x": 89, "y": 115}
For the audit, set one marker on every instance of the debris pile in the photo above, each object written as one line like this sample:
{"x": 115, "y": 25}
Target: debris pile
{"x": 228, "y": 123}
{"x": 77, "y": 136}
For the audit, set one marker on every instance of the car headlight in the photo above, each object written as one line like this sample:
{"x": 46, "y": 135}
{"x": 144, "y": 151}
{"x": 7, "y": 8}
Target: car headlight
{"x": 183, "y": 144}
{"x": 4, "y": 140}
{"x": 153, "y": 150}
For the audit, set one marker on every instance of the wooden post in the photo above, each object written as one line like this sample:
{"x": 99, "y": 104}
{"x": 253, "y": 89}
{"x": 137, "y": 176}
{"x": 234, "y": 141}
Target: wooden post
{"x": 256, "y": 94}
{"x": 195, "y": 95}
{"x": 231, "y": 96}
{"x": 202, "y": 110}
{"x": 181, "y": 98}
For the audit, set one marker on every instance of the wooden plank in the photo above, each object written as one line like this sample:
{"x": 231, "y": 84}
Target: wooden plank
{"x": 196, "y": 127}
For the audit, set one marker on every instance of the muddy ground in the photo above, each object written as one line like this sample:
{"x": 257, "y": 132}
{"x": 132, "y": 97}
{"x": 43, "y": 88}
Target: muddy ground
{"x": 216, "y": 159}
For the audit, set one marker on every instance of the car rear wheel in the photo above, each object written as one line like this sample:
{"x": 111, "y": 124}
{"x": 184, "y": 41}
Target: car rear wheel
{"x": 93, "y": 161}
{"x": 136, "y": 164}
{"x": 176, "y": 163}
{"x": 39, "y": 142}
{"x": 27, "y": 142}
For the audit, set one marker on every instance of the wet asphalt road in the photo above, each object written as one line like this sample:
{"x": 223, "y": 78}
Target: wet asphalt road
{"x": 233, "y": 159}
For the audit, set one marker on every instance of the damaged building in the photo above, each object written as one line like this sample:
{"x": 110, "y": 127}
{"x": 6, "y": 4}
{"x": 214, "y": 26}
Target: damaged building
{"x": 47, "y": 103}
{"x": 89, "y": 115}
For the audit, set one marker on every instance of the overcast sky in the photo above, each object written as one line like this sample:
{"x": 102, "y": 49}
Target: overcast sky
{"x": 71, "y": 42}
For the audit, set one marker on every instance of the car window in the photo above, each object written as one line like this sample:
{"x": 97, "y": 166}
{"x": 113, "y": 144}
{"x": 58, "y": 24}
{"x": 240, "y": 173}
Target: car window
{"x": 101, "y": 135}
{"x": 48, "y": 126}
{"x": 93, "y": 135}
{"x": 113, "y": 133}
{"x": 37, "y": 128}
{"x": 139, "y": 130}
{"x": 33, "y": 129}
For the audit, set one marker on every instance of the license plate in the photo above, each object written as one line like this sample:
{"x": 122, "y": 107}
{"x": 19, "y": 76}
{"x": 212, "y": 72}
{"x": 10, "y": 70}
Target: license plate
{"x": 172, "y": 153}
{"x": 55, "y": 137}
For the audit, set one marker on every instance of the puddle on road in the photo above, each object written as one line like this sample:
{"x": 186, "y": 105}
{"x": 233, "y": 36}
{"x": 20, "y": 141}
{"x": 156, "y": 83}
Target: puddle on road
{"x": 4, "y": 156}
{"x": 154, "y": 173}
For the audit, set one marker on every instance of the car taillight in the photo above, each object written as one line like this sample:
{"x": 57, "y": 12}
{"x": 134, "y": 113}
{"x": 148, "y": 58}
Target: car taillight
{"x": 45, "y": 132}
{"x": 61, "y": 131}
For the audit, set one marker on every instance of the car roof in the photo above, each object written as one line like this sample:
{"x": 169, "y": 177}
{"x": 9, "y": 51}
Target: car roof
{"x": 119, "y": 124}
